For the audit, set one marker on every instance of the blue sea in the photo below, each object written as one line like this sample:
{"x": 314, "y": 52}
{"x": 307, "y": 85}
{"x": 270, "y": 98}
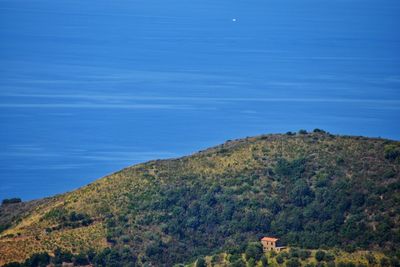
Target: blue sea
{"x": 89, "y": 87}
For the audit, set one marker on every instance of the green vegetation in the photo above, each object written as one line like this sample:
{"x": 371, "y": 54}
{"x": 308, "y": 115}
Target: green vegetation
{"x": 65, "y": 219}
{"x": 392, "y": 151}
{"x": 313, "y": 190}
{"x": 254, "y": 251}
{"x": 13, "y": 214}
{"x": 11, "y": 201}
{"x": 320, "y": 255}
{"x": 107, "y": 257}
{"x": 201, "y": 263}
{"x": 292, "y": 257}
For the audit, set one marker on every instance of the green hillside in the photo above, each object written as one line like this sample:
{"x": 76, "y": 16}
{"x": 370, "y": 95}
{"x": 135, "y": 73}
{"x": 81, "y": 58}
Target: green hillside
{"x": 312, "y": 190}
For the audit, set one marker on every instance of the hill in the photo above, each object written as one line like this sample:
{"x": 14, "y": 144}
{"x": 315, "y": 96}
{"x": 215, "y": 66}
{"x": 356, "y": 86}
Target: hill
{"x": 312, "y": 190}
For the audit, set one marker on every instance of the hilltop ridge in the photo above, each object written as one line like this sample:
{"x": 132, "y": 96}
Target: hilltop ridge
{"x": 311, "y": 189}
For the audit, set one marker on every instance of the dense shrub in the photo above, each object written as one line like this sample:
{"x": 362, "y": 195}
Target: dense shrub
{"x": 395, "y": 262}
{"x": 201, "y": 263}
{"x": 264, "y": 261}
{"x": 279, "y": 259}
{"x": 304, "y": 254}
{"x": 238, "y": 263}
{"x": 294, "y": 253}
{"x": 106, "y": 257}
{"x": 67, "y": 219}
{"x": 4, "y": 227}
{"x": 392, "y": 151}
{"x": 254, "y": 251}
{"x": 38, "y": 259}
{"x": 329, "y": 257}
{"x": 293, "y": 263}
{"x": 318, "y": 131}
{"x": 251, "y": 263}
{"x": 320, "y": 255}
{"x": 384, "y": 262}
{"x": 11, "y": 201}
{"x": 62, "y": 256}
{"x": 13, "y": 264}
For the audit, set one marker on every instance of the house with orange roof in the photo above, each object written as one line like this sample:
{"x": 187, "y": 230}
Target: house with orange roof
{"x": 270, "y": 244}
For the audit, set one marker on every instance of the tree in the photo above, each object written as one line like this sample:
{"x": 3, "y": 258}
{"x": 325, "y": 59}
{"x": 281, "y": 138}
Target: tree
{"x": 316, "y": 130}
{"x": 154, "y": 248}
{"x": 60, "y": 256}
{"x": 238, "y": 263}
{"x": 394, "y": 262}
{"x": 201, "y": 262}
{"x": 293, "y": 263}
{"x": 264, "y": 261}
{"x": 320, "y": 255}
{"x": 329, "y": 257}
{"x": 392, "y": 152}
{"x": 370, "y": 258}
{"x": 81, "y": 259}
{"x": 13, "y": 264}
{"x": 11, "y": 200}
{"x": 304, "y": 254}
{"x": 384, "y": 262}
{"x": 254, "y": 251}
{"x": 301, "y": 194}
{"x": 294, "y": 253}
{"x": 38, "y": 259}
{"x": 251, "y": 263}
{"x": 279, "y": 259}
{"x": 215, "y": 259}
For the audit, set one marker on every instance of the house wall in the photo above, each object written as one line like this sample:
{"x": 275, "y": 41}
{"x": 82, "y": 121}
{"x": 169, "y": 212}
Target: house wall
{"x": 268, "y": 245}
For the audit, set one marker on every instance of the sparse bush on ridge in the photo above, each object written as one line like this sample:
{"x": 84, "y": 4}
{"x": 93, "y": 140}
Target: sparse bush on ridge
{"x": 11, "y": 201}
{"x": 392, "y": 151}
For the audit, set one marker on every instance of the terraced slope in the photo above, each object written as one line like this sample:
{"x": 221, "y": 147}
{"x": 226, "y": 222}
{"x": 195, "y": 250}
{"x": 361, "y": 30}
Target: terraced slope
{"x": 312, "y": 190}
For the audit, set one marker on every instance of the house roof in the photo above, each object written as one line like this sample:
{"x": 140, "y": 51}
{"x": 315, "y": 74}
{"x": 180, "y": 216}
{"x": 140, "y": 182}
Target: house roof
{"x": 269, "y": 239}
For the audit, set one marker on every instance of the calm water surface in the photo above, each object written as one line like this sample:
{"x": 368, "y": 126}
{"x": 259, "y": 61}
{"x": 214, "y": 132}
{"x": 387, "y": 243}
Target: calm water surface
{"x": 89, "y": 87}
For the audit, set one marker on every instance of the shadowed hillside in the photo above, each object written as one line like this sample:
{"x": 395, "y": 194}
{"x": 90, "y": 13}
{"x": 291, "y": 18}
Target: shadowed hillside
{"x": 311, "y": 189}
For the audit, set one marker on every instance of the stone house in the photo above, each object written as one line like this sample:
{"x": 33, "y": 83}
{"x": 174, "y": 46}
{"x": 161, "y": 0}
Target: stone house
{"x": 270, "y": 244}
